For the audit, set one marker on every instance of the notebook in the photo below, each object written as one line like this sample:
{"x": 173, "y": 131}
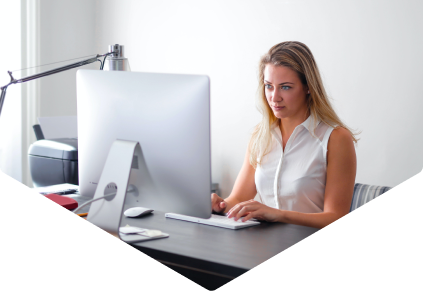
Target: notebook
{"x": 63, "y": 201}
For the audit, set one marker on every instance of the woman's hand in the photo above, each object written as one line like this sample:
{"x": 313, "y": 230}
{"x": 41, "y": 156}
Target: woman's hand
{"x": 218, "y": 204}
{"x": 253, "y": 209}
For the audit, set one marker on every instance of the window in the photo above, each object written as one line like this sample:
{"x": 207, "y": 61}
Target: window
{"x": 11, "y": 115}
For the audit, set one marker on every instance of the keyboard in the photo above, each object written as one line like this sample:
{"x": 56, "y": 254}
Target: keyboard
{"x": 215, "y": 220}
{"x": 58, "y": 189}
{"x": 60, "y": 192}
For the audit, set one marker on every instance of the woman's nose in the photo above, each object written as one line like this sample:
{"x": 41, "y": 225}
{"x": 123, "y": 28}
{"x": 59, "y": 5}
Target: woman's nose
{"x": 275, "y": 96}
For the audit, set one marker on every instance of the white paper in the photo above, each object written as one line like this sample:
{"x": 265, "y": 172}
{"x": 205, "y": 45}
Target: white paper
{"x": 131, "y": 230}
{"x": 140, "y": 231}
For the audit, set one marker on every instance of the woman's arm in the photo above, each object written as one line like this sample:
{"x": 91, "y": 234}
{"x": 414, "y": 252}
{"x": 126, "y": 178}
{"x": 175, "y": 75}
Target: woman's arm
{"x": 244, "y": 188}
{"x": 341, "y": 172}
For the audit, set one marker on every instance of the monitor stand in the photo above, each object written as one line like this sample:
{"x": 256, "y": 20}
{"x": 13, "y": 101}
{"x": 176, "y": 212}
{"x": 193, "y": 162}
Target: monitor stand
{"x": 121, "y": 178}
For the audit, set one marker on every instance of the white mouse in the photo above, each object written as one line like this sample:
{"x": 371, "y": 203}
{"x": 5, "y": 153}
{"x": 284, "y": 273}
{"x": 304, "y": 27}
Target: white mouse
{"x": 137, "y": 212}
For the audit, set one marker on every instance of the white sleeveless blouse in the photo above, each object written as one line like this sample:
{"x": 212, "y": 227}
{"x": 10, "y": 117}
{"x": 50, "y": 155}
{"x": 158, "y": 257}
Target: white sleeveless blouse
{"x": 295, "y": 179}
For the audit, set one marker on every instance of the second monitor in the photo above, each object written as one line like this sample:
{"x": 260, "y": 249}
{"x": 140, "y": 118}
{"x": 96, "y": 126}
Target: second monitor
{"x": 169, "y": 115}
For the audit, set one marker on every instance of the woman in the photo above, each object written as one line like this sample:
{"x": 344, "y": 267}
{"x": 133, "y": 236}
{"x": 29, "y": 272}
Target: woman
{"x": 301, "y": 158}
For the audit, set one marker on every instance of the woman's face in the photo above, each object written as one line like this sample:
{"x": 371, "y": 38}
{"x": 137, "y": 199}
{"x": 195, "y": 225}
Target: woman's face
{"x": 285, "y": 93}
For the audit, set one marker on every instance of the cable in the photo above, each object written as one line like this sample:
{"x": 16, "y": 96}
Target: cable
{"x": 53, "y": 63}
{"x": 104, "y": 59}
{"x": 93, "y": 200}
{"x": 105, "y": 55}
{"x": 130, "y": 190}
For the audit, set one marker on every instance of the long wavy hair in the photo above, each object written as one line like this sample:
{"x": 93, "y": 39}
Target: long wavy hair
{"x": 296, "y": 56}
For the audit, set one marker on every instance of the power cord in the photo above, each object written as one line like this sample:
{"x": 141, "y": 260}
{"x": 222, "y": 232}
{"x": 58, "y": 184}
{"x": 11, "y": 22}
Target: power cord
{"x": 103, "y": 63}
{"x": 99, "y": 198}
{"x": 91, "y": 201}
{"x": 104, "y": 59}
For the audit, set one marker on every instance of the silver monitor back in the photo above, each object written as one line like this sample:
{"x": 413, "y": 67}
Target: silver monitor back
{"x": 168, "y": 114}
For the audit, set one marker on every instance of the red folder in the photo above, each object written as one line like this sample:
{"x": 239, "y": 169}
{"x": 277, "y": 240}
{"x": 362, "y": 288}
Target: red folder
{"x": 63, "y": 201}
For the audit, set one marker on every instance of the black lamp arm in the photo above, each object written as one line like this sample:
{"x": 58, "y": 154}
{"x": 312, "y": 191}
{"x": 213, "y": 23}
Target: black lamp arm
{"x": 46, "y": 73}
{"x": 3, "y": 94}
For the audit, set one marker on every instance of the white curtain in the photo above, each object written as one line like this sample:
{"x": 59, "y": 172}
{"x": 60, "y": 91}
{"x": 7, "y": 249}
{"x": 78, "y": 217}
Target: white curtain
{"x": 11, "y": 116}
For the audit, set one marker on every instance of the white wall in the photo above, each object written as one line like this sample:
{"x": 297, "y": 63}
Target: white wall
{"x": 54, "y": 34}
{"x": 369, "y": 53}
{"x": 67, "y": 31}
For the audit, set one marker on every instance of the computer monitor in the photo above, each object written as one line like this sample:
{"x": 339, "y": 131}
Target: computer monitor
{"x": 169, "y": 115}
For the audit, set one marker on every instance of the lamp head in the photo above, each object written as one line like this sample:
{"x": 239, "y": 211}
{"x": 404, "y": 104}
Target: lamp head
{"x": 116, "y": 61}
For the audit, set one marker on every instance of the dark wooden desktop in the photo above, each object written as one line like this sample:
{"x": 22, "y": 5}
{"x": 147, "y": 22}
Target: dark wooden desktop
{"x": 213, "y": 256}
{"x": 208, "y": 255}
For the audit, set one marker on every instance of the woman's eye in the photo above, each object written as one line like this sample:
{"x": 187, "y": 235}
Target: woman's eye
{"x": 285, "y": 87}
{"x": 267, "y": 86}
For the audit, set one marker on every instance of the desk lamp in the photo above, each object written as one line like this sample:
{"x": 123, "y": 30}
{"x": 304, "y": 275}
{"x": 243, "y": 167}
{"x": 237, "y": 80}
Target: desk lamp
{"x": 122, "y": 152}
{"x": 114, "y": 60}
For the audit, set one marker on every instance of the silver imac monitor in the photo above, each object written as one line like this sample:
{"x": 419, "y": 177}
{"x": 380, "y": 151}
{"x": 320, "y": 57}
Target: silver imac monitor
{"x": 169, "y": 115}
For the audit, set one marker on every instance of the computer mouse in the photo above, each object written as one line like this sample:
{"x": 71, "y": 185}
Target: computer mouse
{"x": 137, "y": 212}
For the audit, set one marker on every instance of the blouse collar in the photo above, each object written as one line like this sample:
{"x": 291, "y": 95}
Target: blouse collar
{"x": 309, "y": 124}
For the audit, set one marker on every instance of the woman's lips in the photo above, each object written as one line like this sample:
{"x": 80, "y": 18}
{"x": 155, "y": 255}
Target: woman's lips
{"x": 278, "y": 108}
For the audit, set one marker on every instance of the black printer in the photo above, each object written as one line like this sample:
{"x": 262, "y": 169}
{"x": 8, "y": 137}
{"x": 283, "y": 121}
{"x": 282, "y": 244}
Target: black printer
{"x": 54, "y": 161}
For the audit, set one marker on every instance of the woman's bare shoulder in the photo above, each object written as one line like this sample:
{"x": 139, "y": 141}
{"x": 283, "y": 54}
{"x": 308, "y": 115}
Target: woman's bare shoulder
{"x": 340, "y": 135}
{"x": 341, "y": 141}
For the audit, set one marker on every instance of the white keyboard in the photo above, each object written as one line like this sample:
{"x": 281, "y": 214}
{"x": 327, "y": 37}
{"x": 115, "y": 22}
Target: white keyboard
{"x": 215, "y": 220}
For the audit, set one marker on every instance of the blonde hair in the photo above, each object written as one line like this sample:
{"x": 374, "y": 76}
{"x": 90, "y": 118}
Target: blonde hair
{"x": 296, "y": 56}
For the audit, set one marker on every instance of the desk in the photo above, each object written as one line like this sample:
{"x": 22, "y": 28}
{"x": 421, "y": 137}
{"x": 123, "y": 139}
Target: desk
{"x": 212, "y": 256}
{"x": 209, "y": 255}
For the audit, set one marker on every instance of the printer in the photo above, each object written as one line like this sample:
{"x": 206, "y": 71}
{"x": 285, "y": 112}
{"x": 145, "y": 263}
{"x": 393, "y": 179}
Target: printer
{"x": 53, "y": 161}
